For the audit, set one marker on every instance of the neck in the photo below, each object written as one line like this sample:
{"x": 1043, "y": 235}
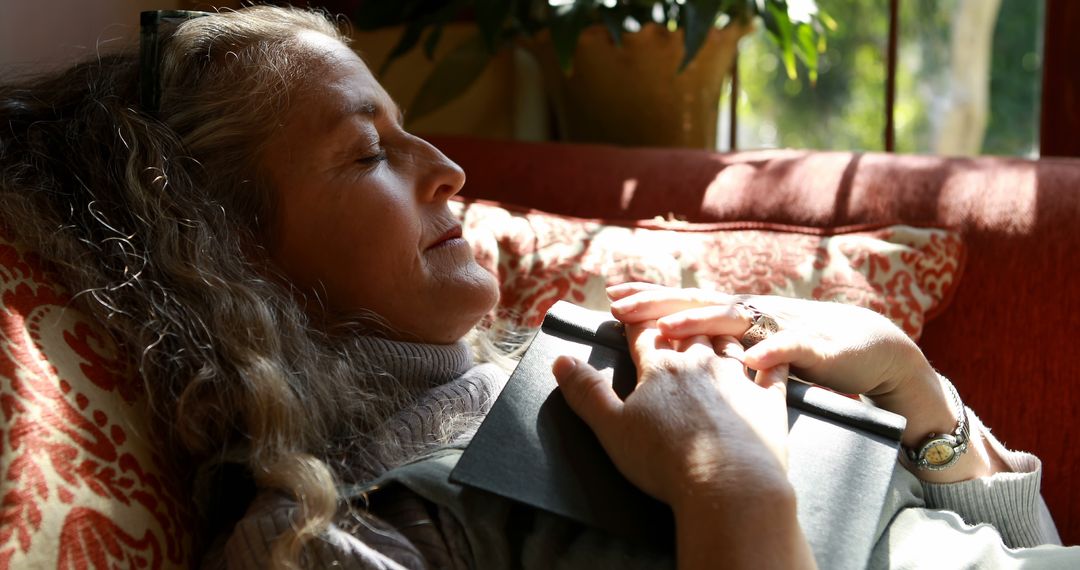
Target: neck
{"x": 418, "y": 366}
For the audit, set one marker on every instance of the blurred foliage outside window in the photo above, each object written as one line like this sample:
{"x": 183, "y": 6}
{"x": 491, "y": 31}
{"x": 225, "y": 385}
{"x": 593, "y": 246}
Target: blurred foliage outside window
{"x": 845, "y": 110}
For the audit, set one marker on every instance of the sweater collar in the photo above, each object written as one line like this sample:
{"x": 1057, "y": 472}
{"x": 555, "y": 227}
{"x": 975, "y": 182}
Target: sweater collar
{"x": 418, "y": 365}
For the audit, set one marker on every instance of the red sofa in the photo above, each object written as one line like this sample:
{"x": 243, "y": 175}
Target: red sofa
{"x": 83, "y": 482}
{"x": 1006, "y": 338}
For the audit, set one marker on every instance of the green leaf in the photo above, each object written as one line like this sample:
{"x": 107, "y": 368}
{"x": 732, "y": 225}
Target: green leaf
{"x": 375, "y": 15}
{"x": 769, "y": 19}
{"x": 781, "y": 30}
{"x": 490, "y": 17}
{"x": 432, "y": 41}
{"x": 450, "y": 77}
{"x": 409, "y": 37}
{"x": 613, "y": 21}
{"x": 698, "y": 20}
{"x": 827, "y": 20}
{"x": 740, "y": 10}
{"x": 566, "y": 27}
{"x": 422, "y": 15}
{"x": 807, "y": 47}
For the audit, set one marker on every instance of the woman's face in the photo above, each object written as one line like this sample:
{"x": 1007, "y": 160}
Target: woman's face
{"x": 362, "y": 222}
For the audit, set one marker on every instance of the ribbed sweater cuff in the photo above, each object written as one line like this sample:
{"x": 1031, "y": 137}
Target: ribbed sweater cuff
{"x": 1010, "y": 502}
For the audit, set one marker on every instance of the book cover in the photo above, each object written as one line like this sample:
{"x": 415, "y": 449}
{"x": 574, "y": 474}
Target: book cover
{"x": 532, "y": 448}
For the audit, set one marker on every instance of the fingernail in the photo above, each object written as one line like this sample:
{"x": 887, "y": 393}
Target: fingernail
{"x": 563, "y": 365}
{"x": 670, "y": 321}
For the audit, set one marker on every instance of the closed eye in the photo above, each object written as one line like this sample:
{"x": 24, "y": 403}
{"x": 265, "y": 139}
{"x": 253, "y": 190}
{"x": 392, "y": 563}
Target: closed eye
{"x": 376, "y": 158}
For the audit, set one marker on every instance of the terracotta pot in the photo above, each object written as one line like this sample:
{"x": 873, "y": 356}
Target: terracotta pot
{"x": 634, "y": 94}
{"x": 486, "y": 109}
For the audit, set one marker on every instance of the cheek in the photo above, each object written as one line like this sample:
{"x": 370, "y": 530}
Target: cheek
{"x": 372, "y": 258}
{"x": 294, "y": 243}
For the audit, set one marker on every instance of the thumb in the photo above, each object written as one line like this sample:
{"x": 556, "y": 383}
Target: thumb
{"x": 588, "y": 393}
{"x": 775, "y": 379}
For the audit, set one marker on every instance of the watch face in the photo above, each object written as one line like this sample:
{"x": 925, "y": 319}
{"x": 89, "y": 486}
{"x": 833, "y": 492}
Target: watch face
{"x": 939, "y": 453}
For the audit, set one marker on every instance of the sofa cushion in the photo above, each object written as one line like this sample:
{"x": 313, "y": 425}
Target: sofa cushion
{"x": 83, "y": 484}
{"x": 903, "y": 272}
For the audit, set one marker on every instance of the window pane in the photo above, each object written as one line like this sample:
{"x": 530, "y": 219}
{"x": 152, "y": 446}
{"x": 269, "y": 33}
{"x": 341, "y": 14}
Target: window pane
{"x": 1016, "y": 80}
{"x": 843, "y": 111}
{"x": 967, "y": 82}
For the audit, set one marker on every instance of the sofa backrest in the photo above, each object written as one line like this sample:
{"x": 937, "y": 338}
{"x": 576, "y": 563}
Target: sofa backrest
{"x": 83, "y": 483}
{"x": 1006, "y": 339}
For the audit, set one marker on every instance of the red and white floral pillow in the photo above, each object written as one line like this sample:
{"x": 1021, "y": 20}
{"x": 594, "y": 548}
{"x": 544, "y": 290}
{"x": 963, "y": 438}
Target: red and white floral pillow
{"x": 902, "y": 272}
{"x": 83, "y": 484}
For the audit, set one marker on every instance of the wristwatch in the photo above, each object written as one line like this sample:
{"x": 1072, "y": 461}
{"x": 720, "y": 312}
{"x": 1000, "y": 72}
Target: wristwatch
{"x": 941, "y": 451}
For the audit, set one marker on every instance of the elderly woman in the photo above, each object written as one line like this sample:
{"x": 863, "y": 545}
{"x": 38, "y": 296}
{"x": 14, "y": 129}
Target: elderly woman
{"x": 246, "y": 213}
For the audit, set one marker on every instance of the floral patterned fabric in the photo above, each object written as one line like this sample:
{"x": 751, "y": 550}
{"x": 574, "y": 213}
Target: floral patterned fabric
{"x": 903, "y": 272}
{"x": 82, "y": 483}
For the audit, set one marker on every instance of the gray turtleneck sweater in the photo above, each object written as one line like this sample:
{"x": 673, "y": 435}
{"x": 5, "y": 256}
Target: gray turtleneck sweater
{"x": 428, "y": 522}
{"x": 449, "y": 387}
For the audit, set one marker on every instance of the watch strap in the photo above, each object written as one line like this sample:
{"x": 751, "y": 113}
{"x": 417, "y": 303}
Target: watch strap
{"x": 941, "y": 451}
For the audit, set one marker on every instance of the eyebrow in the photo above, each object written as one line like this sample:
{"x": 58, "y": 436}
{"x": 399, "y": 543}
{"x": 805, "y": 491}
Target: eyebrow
{"x": 365, "y": 108}
{"x": 371, "y": 109}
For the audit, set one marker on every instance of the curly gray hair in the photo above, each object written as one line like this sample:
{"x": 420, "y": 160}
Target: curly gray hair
{"x": 161, "y": 224}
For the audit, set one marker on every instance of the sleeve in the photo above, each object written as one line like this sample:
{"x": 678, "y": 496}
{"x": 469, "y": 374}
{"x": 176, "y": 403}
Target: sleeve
{"x": 931, "y": 538}
{"x": 249, "y": 546}
{"x": 1010, "y": 502}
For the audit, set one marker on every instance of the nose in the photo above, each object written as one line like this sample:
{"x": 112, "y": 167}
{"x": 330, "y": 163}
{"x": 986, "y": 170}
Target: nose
{"x": 440, "y": 178}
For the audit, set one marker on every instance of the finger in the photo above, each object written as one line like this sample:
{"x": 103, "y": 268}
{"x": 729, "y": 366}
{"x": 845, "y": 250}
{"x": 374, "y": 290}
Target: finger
{"x": 655, "y": 303}
{"x": 774, "y": 378}
{"x": 713, "y": 320}
{"x": 730, "y": 366}
{"x": 644, "y": 340}
{"x": 616, "y": 292}
{"x": 727, "y": 346}
{"x": 783, "y": 347}
{"x": 694, "y": 343}
{"x": 589, "y": 394}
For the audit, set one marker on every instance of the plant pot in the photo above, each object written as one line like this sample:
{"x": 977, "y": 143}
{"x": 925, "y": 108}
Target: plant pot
{"x": 486, "y": 109}
{"x": 634, "y": 94}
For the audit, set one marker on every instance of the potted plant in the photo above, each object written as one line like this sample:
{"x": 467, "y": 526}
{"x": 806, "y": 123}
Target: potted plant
{"x": 622, "y": 71}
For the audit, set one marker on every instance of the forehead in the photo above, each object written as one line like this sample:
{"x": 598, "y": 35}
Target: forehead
{"x": 338, "y": 84}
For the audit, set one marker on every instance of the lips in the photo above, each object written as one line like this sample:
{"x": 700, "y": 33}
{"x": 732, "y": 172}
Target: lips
{"x": 451, "y": 234}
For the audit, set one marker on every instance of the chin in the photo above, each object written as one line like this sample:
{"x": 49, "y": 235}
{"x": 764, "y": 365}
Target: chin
{"x": 491, "y": 291}
{"x": 467, "y": 307}
{"x": 472, "y": 302}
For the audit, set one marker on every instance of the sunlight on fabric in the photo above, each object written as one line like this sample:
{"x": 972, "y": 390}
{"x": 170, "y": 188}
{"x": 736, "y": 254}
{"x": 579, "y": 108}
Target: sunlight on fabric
{"x": 1007, "y": 198}
{"x": 629, "y": 186}
{"x": 735, "y": 175}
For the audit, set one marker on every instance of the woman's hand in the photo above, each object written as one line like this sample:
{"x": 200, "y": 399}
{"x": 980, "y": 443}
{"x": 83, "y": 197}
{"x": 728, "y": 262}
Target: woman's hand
{"x": 691, "y": 410}
{"x": 701, "y": 436}
{"x": 846, "y": 348}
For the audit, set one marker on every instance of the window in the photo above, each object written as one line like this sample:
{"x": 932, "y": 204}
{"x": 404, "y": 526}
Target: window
{"x": 968, "y": 81}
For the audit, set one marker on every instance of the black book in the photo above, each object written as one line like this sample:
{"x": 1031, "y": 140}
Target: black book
{"x": 532, "y": 448}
